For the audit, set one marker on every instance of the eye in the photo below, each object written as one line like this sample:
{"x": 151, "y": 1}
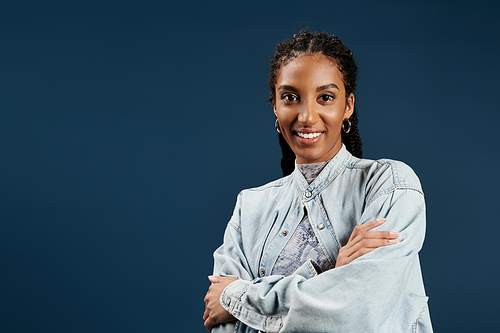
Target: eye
{"x": 289, "y": 98}
{"x": 327, "y": 98}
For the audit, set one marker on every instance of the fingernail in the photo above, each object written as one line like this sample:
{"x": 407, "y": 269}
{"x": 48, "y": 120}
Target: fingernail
{"x": 394, "y": 234}
{"x": 382, "y": 220}
{"x": 393, "y": 241}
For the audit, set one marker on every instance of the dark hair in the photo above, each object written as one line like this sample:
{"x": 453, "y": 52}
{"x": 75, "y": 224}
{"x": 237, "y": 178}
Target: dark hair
{"x": 330, "y": 46}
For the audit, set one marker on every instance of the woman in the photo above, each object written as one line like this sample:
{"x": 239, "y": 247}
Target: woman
{"x": 308, "y": 252}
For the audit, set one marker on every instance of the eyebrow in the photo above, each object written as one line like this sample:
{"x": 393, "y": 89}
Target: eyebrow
{"x": 292, "y": 88}
{"x": 326, "y": 86}
{"x": 287, "y": 87}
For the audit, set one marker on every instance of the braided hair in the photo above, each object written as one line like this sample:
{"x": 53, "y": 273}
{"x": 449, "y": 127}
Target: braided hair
{"x": 330, "y": 46}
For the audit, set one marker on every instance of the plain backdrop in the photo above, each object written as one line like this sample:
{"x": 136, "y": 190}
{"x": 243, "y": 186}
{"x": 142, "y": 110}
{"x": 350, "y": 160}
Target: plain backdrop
{"x": 128, "y": 128}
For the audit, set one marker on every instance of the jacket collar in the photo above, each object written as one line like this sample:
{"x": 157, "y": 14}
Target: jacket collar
{"x": 327, "y": 175}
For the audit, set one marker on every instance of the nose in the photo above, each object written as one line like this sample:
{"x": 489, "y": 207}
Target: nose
{"x": 308, "y": 116}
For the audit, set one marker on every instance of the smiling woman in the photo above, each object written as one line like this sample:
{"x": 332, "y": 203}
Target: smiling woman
{"x": 311, "y": 107}
{"x": 333, "y": 245}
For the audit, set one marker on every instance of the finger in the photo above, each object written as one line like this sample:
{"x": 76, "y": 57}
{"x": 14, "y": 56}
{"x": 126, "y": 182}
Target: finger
{"x": 359, "y": 253}
{"x": 369, "y": 243}
{"x": 209, "y": 324}
{"x": 372, "y": 224}
{"x": 371, "y": 235}
{"x": 375, "y": 243}
{"x": 213, "y": 279}
{"x": 352, "y": 242}
{"x": 359, "y": 229}
{"x": 380, "y": 235}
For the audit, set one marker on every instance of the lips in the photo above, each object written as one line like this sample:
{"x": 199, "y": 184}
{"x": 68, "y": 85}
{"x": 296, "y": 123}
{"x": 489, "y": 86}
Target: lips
{"x": 308, "y": 135}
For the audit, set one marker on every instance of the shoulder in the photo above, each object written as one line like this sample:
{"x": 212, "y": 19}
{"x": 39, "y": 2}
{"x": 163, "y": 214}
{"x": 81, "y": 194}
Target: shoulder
{"x": 261, "y": 201}
{"x": 266, "y": 194}
{"x": 386, "y": 174}
{"x": 269, "y": 188}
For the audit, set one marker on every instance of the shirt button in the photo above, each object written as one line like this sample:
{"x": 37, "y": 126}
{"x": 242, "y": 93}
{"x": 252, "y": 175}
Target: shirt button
{"x": 284, "y": 233}
{"x": 321, "y": 226}
{"x": 228, "y": 301}
{"x": 308, "y": 194}
{"x": 262, "y": 272}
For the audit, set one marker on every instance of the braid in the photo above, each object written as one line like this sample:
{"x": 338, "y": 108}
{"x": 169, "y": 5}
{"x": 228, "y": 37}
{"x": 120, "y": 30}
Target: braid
{"x": 352, "y": 140}
{"x": 330, "y": 46}
{"x": 288, "y": 156}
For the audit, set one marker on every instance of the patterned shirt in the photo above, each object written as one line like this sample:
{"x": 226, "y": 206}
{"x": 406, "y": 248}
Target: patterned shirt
{"x": 303, "y": 244}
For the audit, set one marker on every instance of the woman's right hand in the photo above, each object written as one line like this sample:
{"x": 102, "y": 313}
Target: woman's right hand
{"x": 363, "y": 241}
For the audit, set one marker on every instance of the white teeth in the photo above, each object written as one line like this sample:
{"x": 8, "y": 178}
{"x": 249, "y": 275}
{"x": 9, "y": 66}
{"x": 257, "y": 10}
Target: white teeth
{"x": 308, "y": 135}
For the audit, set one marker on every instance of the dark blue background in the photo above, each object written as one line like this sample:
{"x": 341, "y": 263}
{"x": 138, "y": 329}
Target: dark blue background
{"x": 129, "y": 127}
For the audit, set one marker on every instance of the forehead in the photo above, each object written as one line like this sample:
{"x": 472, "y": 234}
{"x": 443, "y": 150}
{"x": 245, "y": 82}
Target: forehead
{"x": 310, "y": 69}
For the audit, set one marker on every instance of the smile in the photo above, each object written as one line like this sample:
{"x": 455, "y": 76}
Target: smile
{"x": 308, "y": 135}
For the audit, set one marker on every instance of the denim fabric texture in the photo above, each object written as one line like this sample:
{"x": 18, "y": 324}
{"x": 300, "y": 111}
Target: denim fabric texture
{"x": 381, "y": 291}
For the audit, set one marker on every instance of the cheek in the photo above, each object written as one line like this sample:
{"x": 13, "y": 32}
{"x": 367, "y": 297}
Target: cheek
{"x": 340, "y": 114}
{"x": 285, "y": 118}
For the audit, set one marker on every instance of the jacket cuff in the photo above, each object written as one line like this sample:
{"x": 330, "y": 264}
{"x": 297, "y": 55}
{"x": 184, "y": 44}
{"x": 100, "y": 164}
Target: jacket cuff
{"x": 233, "y": 291}
{"x": 230, "y": 299}
{"x": 308, "y": 270}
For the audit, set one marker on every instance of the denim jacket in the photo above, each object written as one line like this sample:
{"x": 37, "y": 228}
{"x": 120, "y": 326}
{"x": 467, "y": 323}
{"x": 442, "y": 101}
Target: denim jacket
{"x": 381, "y": 291}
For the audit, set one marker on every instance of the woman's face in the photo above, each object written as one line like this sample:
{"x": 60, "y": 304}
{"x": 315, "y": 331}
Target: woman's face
{"x": 310, "y": 106}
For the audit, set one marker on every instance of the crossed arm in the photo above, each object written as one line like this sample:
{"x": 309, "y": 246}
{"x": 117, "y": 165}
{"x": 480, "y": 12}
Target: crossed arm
{"x": 361, "y": 242}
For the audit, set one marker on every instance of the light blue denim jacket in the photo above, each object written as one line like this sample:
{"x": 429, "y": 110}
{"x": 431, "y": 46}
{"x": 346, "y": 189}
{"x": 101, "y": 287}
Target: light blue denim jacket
{"x": 381, "y": 291}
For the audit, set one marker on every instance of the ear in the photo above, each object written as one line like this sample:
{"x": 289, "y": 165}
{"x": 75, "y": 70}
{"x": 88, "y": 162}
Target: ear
{"x": 274, "y": 107}
{"x": 349, "y": 106}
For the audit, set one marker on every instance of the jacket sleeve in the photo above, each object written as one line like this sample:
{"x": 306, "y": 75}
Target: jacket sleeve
{"x": 230, "y": 260}
{"x": 362, "y": 296}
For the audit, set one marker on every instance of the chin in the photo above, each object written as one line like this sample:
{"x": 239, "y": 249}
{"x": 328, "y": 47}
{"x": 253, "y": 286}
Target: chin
{"x": 310, "y": 159}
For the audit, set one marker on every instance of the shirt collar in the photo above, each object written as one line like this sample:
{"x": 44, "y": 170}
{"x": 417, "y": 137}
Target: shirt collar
{"x": 326, "y": 176}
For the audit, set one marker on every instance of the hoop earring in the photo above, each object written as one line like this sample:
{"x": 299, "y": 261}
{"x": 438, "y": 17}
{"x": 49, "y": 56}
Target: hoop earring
{"x": 348, "y": 126}
{"x": 277, "y": 126}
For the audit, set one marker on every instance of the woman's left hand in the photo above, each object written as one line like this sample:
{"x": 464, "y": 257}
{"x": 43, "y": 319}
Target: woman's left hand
{"x": 214, "y": 312}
